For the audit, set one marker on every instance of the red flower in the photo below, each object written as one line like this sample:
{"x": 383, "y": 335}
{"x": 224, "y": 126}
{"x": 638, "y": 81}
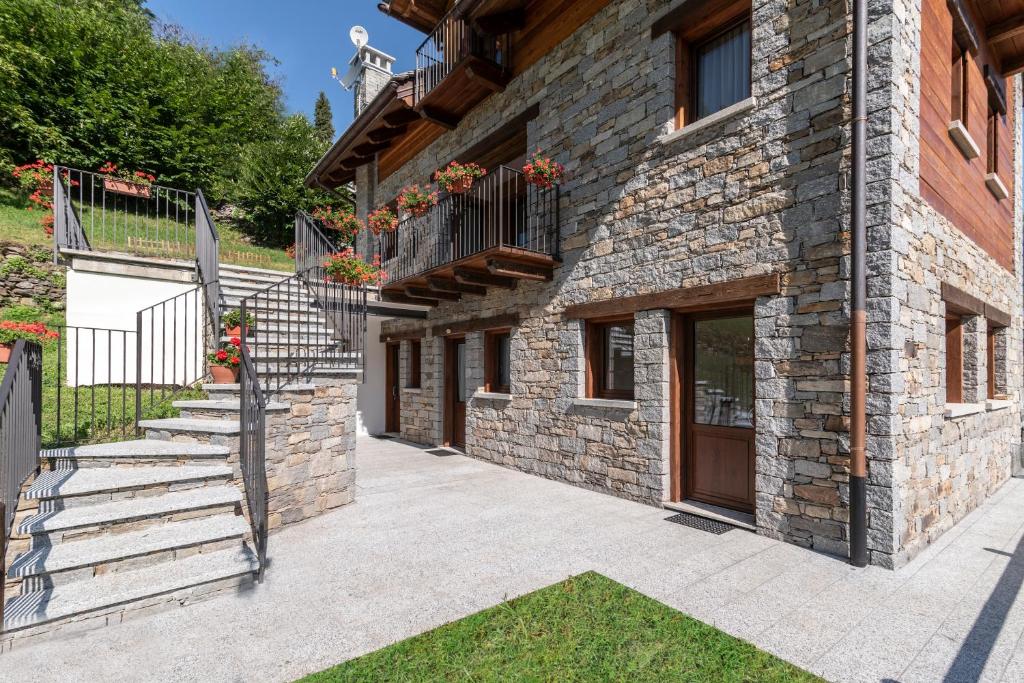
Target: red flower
{"x": 234, "y": 360}
{"x": 222, "y": 355}
{"x": 235, "y": 341}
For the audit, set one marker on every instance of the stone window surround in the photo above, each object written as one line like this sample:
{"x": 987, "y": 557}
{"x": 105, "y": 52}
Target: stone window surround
{"x": 594, "y": 362}
{"x": 979, "y": 321}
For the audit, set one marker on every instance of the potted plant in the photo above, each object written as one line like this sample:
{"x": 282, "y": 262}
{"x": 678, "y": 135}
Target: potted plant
{"x": 417, "y": 200}
{"x": 342, "y": 221}
{"x": 458, "y": 178}
{"x": 12, "y": 330}
{"x": 348, "y": 268}
{"x": 224, "y": 362}
{"x": 543, "y": 172}
{"x": 382, "y": 220}
{"x": 233, "y": 323}
{"x": 132, "y": 183}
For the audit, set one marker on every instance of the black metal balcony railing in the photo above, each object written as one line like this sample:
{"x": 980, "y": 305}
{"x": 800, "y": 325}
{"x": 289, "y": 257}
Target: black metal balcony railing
{"x": 502, "y": 210}
{"x": 451, "y": 42}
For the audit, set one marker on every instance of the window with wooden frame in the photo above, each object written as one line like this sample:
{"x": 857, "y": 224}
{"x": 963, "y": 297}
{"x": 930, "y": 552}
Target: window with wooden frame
{"x": 990, "y": 360}
{"x": 713, "y": 59}
{"x": 954, "y": 359}
{"x": 959, "y": 84}
{"x": 498, "y": 361}
{"x": 995, "y": 85}
{"x": 609, "y": 351}
{"x": 414, "y": 360}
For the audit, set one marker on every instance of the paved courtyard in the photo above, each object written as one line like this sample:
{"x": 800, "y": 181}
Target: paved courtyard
{"x": 433, "y": 538}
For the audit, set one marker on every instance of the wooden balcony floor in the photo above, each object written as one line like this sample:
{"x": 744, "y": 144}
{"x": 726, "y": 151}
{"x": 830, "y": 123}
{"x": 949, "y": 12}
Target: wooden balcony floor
{"x": 469, "y": 83}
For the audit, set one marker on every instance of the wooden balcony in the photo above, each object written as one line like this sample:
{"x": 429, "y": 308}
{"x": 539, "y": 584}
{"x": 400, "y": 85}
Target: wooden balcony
{"x": 457, "y": 66}
{"x": 500, "y": 232}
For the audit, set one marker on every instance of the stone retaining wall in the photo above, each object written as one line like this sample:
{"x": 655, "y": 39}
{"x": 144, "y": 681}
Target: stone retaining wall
{"x": 29, "y": 277}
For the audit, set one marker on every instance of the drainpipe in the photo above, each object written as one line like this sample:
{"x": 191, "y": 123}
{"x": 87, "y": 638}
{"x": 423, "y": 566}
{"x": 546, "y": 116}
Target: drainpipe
{"x": 858, "y": 312}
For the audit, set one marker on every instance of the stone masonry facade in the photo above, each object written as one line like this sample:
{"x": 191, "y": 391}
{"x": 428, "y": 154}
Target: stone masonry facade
{"x": 763, "y": 189}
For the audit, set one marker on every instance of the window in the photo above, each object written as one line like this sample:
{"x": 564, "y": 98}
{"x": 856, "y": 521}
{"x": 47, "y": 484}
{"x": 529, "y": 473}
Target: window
{"x": 497, "y": 362}
{"x": 993, "y": 140}
{"x": 959, "y": 99}
{"x": 610, "y": 359}
{"x": 713, "y": 67}
{"x": 990, "y": 359}
{"x": 954, "y": 359}
{"x": 415, "y": 353}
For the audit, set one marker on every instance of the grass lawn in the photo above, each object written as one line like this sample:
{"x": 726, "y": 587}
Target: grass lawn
{"x": 587, "y": 628}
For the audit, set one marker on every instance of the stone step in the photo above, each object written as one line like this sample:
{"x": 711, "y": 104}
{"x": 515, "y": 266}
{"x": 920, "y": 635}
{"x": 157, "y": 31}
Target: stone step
{"x": 284, "y": 339}
{"x": 233, "y": 270}
{"x": 178, "y": 425}
{"x": 275, "y": 369}
{"x": 108, "y": 549}
{"x": 123, "y": 588}
{"x": 298, "y": 300}
{"x": 106, "y": 515}
{"x": 227, "y": 406}
{"x": 92, "y": 482}
{"x": 233, "y": 389}
{"x": 136, "y": 451}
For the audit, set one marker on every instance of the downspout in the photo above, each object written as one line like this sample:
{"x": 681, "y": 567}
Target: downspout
{"x": 858, "y": 295}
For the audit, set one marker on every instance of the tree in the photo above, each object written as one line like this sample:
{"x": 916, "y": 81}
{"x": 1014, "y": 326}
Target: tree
{"x": 323, "y": 120}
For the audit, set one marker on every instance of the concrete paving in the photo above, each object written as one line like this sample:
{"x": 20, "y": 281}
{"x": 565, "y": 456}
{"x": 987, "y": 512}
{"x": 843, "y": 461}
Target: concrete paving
{"x": 433, "y": 538}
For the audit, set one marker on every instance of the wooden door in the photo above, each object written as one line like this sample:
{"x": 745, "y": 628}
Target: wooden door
{"x": 393, "y": 398}
{"x": 718, "y": 408}
{"x": 455, "y": 392}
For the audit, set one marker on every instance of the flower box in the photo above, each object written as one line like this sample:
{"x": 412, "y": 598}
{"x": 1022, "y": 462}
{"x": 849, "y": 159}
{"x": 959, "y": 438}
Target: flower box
{"x": 5, "y": 352}
{"x": 126, "y": 188}
{"x": 224, "y": 375}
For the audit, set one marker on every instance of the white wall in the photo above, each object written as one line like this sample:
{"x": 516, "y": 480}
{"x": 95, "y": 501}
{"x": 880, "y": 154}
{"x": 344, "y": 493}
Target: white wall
{"x": 108, "y": 301}
{"x": 370, "y": 396}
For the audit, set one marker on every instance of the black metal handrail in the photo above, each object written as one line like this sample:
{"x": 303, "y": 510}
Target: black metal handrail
{"x": 252, "y": 453}
{"x": 208, "y": 258}
{"x": 172, "y": 340}
{"x": 501, "y": 210}
{"x": 21, "y": 404}
{"x": 93, "y": 211}
{"x": 452, "y": 41}
{"x": 312, "y": 243}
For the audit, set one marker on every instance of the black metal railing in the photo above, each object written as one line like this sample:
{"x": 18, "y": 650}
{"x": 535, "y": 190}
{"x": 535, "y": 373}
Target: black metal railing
{"x": 252, "y": 453}
{"x": 208, "y": 258}
{"x": 452, "y": 41}
{"x": 21, "y": 403}
{"x": 313, "y": 244}
{"x": 173, "y": 338}
{"x": 95, "y": 212}
{"x": 501, "y": 210}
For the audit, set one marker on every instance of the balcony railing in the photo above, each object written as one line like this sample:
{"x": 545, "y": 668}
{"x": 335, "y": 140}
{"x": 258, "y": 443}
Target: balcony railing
{"x": 452, "y": 42}
{"x": 501, "y": 213}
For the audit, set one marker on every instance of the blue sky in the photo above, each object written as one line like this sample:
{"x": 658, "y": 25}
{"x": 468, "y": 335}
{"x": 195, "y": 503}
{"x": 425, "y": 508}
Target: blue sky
{"x": 307, "y": 37}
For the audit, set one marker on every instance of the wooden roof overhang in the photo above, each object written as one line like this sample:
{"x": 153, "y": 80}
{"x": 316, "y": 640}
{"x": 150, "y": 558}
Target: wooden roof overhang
{"x": 386, "y": 119}
{"x": 422, "y": 15}
{"x": 1002, "y": 27}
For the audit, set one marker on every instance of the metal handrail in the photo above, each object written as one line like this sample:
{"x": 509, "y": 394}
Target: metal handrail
{"x": 21, "y": 404}
{"x": 312, "y": 245}
{"x": 252, "y": 452}
{"x": 208, "y": 258}
{"x": 501, "y": 210}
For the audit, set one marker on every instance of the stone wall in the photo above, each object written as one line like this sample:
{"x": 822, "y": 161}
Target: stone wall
{"x": 29, "y": 277}
{"x": 311, "y": 452}
{"x": 762, "y": 189}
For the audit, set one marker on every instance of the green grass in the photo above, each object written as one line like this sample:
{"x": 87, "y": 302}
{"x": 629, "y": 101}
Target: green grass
{"x": 588, "y": 628}
{"x": 20, "y": 225}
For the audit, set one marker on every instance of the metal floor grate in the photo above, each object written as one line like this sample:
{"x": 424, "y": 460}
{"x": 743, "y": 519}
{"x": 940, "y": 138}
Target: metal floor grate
{"x": 441, "y": 452}
{"x": 381, "y": 436}
{"x": 712, "y": 526}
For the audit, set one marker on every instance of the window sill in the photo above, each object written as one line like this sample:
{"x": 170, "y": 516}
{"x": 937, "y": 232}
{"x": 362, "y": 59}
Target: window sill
{"x": 729, "y": 112}
{"x": 996, "y": 186}
{"x": 955, "y": 410}
{"x": 963, "y": 140}
{"x": 412, "y": 390}
{"x": 612, "y": 403}
{"x": 998, "y": 404}
{"x": 492, "y": 396}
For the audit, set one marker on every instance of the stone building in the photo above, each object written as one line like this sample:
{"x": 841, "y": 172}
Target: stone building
{"x": 671, "y": 322}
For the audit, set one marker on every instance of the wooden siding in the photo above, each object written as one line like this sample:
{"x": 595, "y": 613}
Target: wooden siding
{"x": 953, "y": 185}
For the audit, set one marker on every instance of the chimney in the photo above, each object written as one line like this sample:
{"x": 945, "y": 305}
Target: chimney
{"x": 373, "y": 71}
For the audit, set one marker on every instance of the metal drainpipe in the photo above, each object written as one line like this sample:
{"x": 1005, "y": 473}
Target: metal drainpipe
{"x": 858, "y": 312}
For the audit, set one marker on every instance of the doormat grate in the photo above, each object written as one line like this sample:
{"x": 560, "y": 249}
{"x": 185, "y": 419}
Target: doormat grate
{"x": 382, "y": 436}
{"x": 441, "y": 452}
{"x": 712, "y": 526}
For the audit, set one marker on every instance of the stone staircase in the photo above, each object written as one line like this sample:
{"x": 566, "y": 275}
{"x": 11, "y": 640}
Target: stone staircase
{"x": 112, "y": 530}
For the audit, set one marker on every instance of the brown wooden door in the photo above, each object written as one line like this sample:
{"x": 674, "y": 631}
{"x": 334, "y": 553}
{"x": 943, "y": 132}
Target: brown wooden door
{"x": 719, "y": 410}
{"x": 455, "y": 392}
{"x": 393, "y": 399}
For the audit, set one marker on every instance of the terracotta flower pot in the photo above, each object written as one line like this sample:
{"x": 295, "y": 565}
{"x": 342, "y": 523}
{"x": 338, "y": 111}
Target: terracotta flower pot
{"x": 5, "y": 352}
{"x": 124, "y": 187}
{"x": 223, "y": 374}
{"x": 235, "y": 331}
{"x": 462, "y": 185}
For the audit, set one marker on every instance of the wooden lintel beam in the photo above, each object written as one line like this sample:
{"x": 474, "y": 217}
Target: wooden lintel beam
{"x": 439, "y": 117}
{"x": 385, "y": 134}
{"x": 501, "y": 22}
{"x": 440, "y": 284}
{"x": 400, "y": 298}
{"x": 495, "y": 322}
{"x": 518, "y": 270}
{"x": 402, "y": 335}
{"x": 964, "y": 31}
{"x": 1005, "y": 30}
{"x": 479, "y": 277}
{"x": 424, "y": 293}
{"x": 734, "y": 292}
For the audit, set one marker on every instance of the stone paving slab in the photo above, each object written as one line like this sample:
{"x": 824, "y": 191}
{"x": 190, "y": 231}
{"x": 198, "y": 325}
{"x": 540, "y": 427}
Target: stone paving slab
{"x": 430, "y": 540}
